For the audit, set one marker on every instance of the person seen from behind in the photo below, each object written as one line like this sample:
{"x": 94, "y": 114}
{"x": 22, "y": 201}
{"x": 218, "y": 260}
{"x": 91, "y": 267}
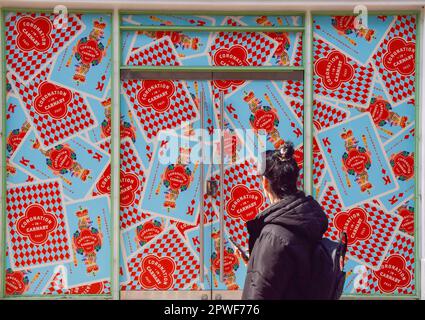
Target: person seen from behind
{"x": 284, "y": 238}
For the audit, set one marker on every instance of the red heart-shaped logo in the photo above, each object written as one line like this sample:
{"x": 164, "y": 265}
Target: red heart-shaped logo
{"x": 156, "y": 94}
{"x": 244, "y": 203}
{"x": 34, "y": 34}
{"x": 354, "y": 223}
{"x": 393, "y": 274}
{"x": 157, "y": 273}
{"x": 52, "y": 100}
{"x": 333, "y": 70}
{"x": 36, "y": 224}
{"x": 400, "y": 56}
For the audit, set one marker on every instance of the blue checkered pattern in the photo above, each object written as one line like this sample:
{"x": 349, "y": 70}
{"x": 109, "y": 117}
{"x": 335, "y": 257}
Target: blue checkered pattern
{"x": 325, "y": 115}
{"x": 294, "y": 89}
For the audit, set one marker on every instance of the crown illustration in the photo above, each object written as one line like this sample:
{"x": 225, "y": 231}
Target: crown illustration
{"x": 99, "y": 25}
{"x": 249, "y": 96}
{"x": 347, "y": 134}
{"x": 82, "y": 213}
{"x": 106, "y": 102}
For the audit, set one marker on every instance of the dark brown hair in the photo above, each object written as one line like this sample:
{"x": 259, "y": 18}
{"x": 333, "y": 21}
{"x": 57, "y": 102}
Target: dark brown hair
{"x": 281, "y": 170}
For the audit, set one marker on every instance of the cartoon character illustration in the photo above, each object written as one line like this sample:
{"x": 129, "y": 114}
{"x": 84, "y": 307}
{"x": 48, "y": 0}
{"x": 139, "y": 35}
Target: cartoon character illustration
{"x": 403, "y": 165}
{"x": 10, "y": 169}
{"x": 127, "y": 129}
{"x": 282, "y": 38}
{"x": 264, "y": 117}
{"x": 179, "y": 39}
{"x": 356, "y": 160}
{"x": 17, "y": 282}
{"x": 62, "y": 160}
{"x": 231, "y": 263}
{"x": 345, "y": 26}
{"x": 164, "y": 22}
{"x": 15, "y": 137}
{"x": 106, "y": 123}
{"x": 382, "y": 114}
{"x": 89, "y": 51}
{"x": 177, "y": 178}
{"x": 147, "y": 231}
{"x": 87, "y": 241}
{"x": 283, "y": 44}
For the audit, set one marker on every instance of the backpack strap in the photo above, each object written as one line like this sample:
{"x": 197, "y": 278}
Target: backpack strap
{"x": 342, "y": 248}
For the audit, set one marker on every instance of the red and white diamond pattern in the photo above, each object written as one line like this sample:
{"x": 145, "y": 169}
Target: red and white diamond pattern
{"x": 325, "y": 115}
{"x": 260, "y": 48}
{"x": 130, "y": 162}
{"x": 370, "y": 251}
{"x": 23, "y": 253}
{"x": 404, "y": 246}
{"x": 355, "y": 91}
{"x": 160, "y": 53}
{"x": 239, "y": 174}
{"x": 26, "y": 65}
{"x": 51, "y": 131}
{"x": 169, "y": 244}
{"x": 399, "y": 87}
{"x": 182, "y": 109}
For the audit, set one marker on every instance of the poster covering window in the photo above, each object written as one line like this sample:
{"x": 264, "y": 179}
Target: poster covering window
{"x": 58, "y": 108}
{"x": 364, "y": 146}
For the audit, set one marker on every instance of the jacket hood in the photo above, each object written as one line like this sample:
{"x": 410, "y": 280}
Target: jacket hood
{"x": 298, "y": 213}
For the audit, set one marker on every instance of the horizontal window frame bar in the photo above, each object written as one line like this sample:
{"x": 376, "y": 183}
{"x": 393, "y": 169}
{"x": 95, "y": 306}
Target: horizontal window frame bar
{"x": 208, "y": 75}
{"x": 211, "y": 69}
{"x": 211, "y": 28}
{"x": 224, "y": 13}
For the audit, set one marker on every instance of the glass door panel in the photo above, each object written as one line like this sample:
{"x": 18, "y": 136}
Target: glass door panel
{"x": 162, "y": 198}
{"x": 258, "y": 115}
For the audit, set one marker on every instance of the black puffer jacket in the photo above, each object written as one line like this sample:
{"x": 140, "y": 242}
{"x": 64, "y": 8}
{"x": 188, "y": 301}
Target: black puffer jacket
{"x": 282, "y": 240}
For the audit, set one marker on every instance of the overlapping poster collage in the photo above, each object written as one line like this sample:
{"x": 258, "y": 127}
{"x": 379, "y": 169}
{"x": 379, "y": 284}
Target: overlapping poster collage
{"x": 160, "y": 217}
{"x": 58, "y": 106}
{"x": 59, "y": 229}
{"x": 364, "y": 146}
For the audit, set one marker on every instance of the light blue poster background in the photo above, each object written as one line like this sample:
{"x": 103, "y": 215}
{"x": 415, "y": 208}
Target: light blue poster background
{"x": 333, "y": 148}
{"x": 98, "y": 208}
{"x": 359, "y": 44}
{"x": 73, "y": 187}
{"x": 98, "y": 76}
